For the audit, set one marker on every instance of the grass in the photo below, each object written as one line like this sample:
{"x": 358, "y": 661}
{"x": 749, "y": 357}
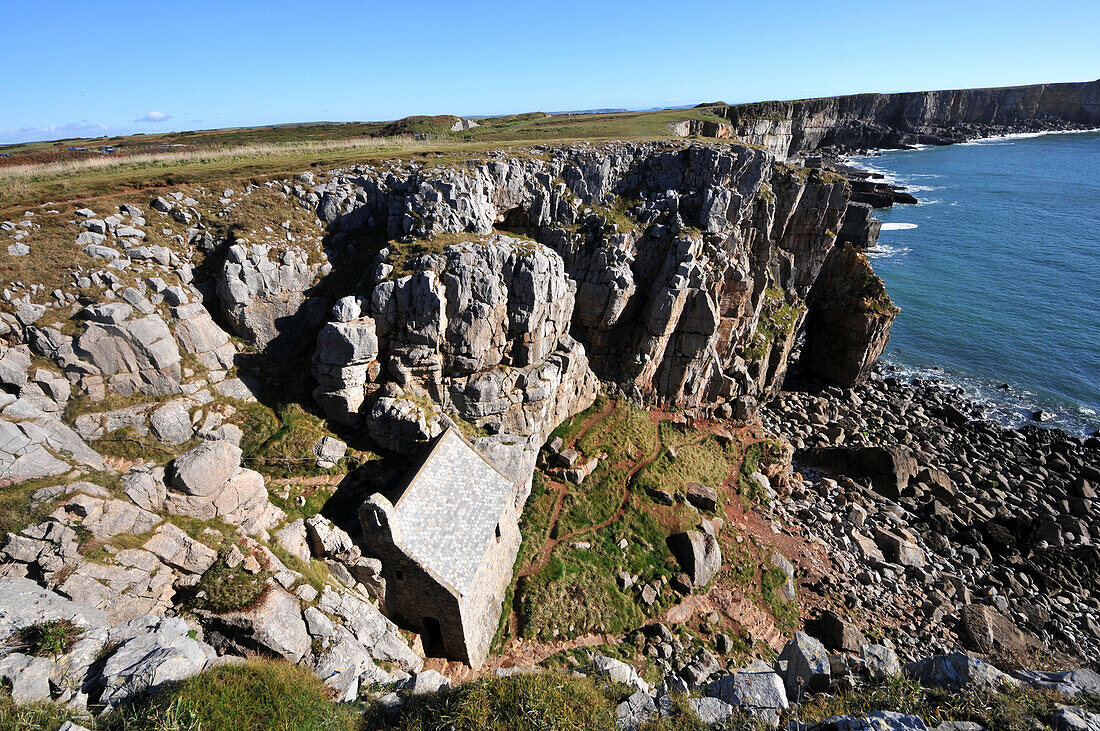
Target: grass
{"x": 47, "y": 639}
{"x": 571, "y": 428}
{"x": 546, "y": 701}
{"x": 230, "y": 158}
{"x": 785, "y": 613}
{"x": 224, "y": 588}
{"x": 625, "y": 433}
{"x": 757, "y": 456}
{"x": 706, "y": 462}
{"x": 576, "y": 592}
{"x": 33, "y": 716}
{"x": 258, "y": 694}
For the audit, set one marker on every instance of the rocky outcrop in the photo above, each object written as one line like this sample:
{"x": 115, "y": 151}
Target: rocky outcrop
{"x": 258, "y": 294}
{"x": 481, "y": 329}
{"x": 676, "y": 272}
{"x": 867, "y": 121}
{"x": 848, "y": 321}
{"x": 136, "y": 355}
{"x": 208, "y": 482}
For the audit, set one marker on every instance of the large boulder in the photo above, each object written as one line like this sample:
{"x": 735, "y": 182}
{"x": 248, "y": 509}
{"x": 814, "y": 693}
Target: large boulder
{"x": 23, "y": 603}
{"x": 275, "y": 625}
{"x": 699, "y": 555}
{"x": 849, "y": 319}
{"x": 956, "y": 670}
{"x": 808, "y": 669}
{"x": 137, "y": 356}
{"x": 990, "y": 632}
{"x": 208, "y": 482}
{"x": 888, "y": 468}
{"x": 757, "y": 690}
{"x": 152, "y": 653}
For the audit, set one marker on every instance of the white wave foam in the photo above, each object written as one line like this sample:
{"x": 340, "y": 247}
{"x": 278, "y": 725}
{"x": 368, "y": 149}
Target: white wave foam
{"x": 898, "y": 226}
{"x": 885, "y": 251}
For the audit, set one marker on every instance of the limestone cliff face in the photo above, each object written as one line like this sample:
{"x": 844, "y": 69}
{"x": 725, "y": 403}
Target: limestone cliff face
{"x": 677, "y": 273}
{"x": 865, "y": 121}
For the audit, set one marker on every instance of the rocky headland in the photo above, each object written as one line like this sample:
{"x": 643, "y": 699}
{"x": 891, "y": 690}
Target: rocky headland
{"x": 197, "y": 404}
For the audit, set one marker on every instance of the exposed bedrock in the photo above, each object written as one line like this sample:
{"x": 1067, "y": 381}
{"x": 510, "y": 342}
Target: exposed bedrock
{"x": 849, "y": 319}
{"x": 866, "y": 121}
{"x": 496, "y": 293}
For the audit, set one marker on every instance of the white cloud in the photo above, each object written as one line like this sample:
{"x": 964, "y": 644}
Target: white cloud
{"x": 27, "y": 133}
{"x": 154, "y": 117}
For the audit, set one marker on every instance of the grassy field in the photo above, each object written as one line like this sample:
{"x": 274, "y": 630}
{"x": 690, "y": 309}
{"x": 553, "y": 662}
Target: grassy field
{"x": 47, "y": 171}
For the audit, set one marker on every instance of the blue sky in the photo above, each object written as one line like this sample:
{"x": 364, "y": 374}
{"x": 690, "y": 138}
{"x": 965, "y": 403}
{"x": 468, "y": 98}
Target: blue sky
{"x": 91, "y": 68}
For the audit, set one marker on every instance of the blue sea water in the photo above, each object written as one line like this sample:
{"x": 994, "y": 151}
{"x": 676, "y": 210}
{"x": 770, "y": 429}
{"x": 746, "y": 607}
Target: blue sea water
{"x": 999, "y": 280}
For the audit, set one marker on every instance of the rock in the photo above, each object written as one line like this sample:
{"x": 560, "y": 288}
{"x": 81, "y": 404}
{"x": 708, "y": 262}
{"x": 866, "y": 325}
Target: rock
{"x": 152, "y": 653}
{"x": 838, "y": 634}
{"x": 710, "y": 711}
{"x": 208, "y": 483}
{"x": 1071, "y": 682}
{"x": 702, "y": 497}
{"x": 171, "y": 423}
{"x": 378, "y": 635}
{"x": 874, "y": 721}
{"x": 808, "y": 668}
{"x": 991, "y": 632}
{"x": 1074, "y": 719}
{"x": 200, "y": 335}
{"x": 756, "y": 689}
{"x": 635, "y": 711}
{"x": 848, "y": 319}
{"x": 619, "y": 672}
{"x": 179, "y": 550}
{"x": 137, "y": 355}
{"x": 274, "y": 625}
{"x": 698, "y": 554}
{"x": 346, "y": 309}
{"x": 23, "y": 603}
{"x": 204, "y": 470}
{"x": 14, "y": 364}
{"x": 342, "y": 668}
{"x": 881, "y": 662}
{"x": 889, "y": 468}
{"x": 27, "y": 677}
{"x": 428, "y": 681}
{"x": 329, "y": 452}
{"x": 292, "y": 539}
{"x": 329, "y": 540}
{"x": 255, "y": 292}
{"x": 956, "y": 670}
{"x": 145, "y": 488}
{"x": 105, "y": 519}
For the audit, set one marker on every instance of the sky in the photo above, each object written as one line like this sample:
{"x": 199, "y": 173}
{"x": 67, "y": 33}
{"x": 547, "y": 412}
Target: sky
{"x": 89, "y": 68}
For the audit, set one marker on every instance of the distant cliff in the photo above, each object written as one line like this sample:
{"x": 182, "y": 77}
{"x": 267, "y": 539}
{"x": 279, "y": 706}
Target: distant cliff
{"x": 866, "y": 121}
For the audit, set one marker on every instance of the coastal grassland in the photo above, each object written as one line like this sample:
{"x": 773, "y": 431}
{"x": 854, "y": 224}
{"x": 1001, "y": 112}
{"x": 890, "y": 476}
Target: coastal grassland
{"x": 572, "y": 427}
{"x": 705, "y": 461}
{"x": 576, "y": 592}
{"x": 218, "y": 158}
{"x": 257, "y": 694}
{"x": 624, "y": 434}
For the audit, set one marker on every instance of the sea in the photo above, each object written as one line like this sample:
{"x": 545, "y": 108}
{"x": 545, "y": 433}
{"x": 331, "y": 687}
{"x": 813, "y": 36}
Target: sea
{"x": 997, "y": 272}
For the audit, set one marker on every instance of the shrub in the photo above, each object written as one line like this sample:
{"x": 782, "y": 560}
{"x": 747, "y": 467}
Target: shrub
{"x": 55, "y": 637}
{"x": 547, "y": 701}
{"x": 224, "y": 588}
{"x": 255, "y": 695}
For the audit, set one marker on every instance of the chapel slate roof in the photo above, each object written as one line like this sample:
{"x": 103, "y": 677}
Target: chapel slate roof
{"x": 446, "y": 519}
